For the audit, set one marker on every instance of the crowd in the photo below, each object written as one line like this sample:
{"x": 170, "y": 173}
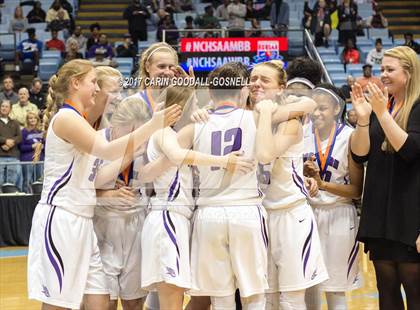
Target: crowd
{"x": 20, "y": 133}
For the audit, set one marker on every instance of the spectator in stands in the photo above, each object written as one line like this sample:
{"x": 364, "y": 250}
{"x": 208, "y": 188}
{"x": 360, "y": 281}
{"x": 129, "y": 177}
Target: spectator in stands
{"x": 127, "y": 49}
{"x": 207, "y": 20}
{"x": 31, "y": 138}
{"x": 186, "y": 5}
{"x": 168, "y": 24}
{"x": 52, "y": 13}
{"x": 347, "y": 21}
{"x": 60, "y": 23}
{"x": 37, "y": 14}
{"x": 7, "y": 93}
{"x": 170, "y": 6}
{"x": 137, "y": 14}
{"x": 375, "y": 55}
{"x": 256, "y": 29}
{"x": 264, "y": 12}
{"x": 73, "y": 51}
{"x": 100, "y": 58}
{"x": 279, "y": 17}
{"x": 95, "y": 29}
{"x": 352, "y": 118}
{"x": 67, "y": 6}
{"x": 222, "y": 12}
{"x": 35, "y": 94}
{"x": 250, "y": 11}
{"x": 368, "y": 78}
{"x": 189, "y": 25}
{"x": 29, "y": 50}
{"x": 10, "y": 137}
{"x": 350, "y": 53}
{"x": 346, "y": 89}
{"x": 236, "y": 24}
{"x": 320, "y": 23}
{"x": 102, "y": 44}
{"x": 377, "y": 20}
{"x": 18, "y": 23}
{"x": 22, "y": 107}
{"x": 409, "y": 41}
{"x": 55, "y": 43}
{"x": 80, "y": 38}
{"x": 306, "y": 68}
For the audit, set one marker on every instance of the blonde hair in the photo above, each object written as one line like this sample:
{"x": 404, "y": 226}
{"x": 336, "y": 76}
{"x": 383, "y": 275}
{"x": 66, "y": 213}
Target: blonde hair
{"x": 278, "y": 66}
{"x": 58, "y": 90}
{"x": 147, "y": 57}
{"x": 105, "y": 72}
{"x": 176, "y": 95}
{"x": 411, "y": 66}
{"x": 38, "y": 124}
{"x": 130, "y": 111}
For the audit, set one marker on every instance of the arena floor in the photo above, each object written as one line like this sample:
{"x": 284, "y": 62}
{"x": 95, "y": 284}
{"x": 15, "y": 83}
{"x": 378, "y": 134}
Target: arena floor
{"x": 13, "y": 294}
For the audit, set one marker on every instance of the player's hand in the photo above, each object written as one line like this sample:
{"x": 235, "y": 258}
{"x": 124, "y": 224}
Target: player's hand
{"x": 124, "y": 196}
{"x": 377, "y": 99}
{"x": 418, "y": 244}
{"x": 179, "y": 72}
{"x": 166, "y": 117}
{"x": 310, "y": 168}
{"x": 200, "y": 116}
{"x": 312, "y": 186}
{"x": 362, "y": 107}
{"x": 266, "y": 106}
{"x": 237, "y": 163}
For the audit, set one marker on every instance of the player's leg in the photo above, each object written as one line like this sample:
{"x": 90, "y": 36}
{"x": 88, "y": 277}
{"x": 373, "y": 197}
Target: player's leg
{"x": 199, "y": 303}
{"x": 170, "y": 296}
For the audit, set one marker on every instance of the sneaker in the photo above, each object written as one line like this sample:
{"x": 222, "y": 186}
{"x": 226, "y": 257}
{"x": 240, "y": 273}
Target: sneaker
{"x": 36, "y": 68}
{"x": 17, "y": 69}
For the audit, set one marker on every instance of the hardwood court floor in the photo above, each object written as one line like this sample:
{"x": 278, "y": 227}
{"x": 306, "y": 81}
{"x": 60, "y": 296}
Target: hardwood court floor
{"x": 13, "y": 294}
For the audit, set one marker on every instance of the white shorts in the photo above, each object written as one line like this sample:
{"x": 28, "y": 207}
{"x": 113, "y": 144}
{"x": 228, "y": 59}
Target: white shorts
{"x": 165, "y": 244}
{"x": 63, "y": 259}
{"x": 119, "y": 241}
{"x": 229, "y": 251}
{"x": 295, "y": 258}
{"x": 337, "y": 226}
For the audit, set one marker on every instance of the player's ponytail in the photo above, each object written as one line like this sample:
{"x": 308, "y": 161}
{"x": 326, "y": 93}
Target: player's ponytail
{"x": 58, "y": 91}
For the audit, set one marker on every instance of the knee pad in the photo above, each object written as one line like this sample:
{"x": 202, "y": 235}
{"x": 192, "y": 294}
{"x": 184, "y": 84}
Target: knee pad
{"x": 294, "y": 300}
{"x": 336, "y": 300}
{"x": 223, "y": 303}
{"x": 254, "y": 302}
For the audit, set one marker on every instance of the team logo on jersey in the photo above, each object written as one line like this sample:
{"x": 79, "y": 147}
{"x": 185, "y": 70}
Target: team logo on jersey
{"x": 314, "y": 275}
{"x": 45, "y": 291}
{"x": 170, "y": 272}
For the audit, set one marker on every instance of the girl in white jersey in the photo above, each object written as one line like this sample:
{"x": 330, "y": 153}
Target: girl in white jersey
{"x": 340, "y": 180}
{"x": 166, "y": 232}
{"x": 295, "y": 260}
{"x": 63, "y": 260}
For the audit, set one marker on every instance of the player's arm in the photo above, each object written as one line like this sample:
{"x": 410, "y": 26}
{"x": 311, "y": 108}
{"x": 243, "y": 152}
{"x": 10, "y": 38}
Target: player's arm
{"x": 268, "y": 145}
{"x": 69, "y": 127}
{"x": 293, "y": 108}
{"x": 167, "y": 140}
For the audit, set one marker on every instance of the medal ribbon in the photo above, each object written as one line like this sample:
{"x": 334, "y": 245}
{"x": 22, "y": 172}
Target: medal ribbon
{"x": 323, "y": 159}
{"x": 70, "y": 105}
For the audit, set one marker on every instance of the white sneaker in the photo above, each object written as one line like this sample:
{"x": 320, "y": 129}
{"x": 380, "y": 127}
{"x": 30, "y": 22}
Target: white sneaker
{"x": 17, "y": 69}
{"x": 36, "y": 68}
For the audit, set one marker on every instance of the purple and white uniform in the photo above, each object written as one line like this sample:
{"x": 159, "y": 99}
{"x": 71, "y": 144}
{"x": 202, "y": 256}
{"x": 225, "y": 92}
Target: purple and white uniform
{"x": 63, "y": 259}
{"x": 336, "y": 216}
{"x": 229, "y": 239}
{"x": 295, "y": 260}
{"x": 166, "y": 231}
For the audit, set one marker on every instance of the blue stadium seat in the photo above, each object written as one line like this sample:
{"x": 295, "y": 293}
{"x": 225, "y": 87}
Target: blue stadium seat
{"x": 331, "y": 59}
{"x": 51, "y": 54}
{"x": 378, "y": 33}
{"x": 335, "y": 68}
{"x": 47, "y": 67}
{"x": 326, "y": 51}
{"x": 126, "y": 72}
{"x": 339, "y": 79}
{"x": 354, "y": 69}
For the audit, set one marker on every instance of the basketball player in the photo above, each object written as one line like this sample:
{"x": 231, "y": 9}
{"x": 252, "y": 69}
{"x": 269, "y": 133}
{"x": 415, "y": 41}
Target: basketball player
{"x": 340, "y": 180}
{"x": 60, "y": 275}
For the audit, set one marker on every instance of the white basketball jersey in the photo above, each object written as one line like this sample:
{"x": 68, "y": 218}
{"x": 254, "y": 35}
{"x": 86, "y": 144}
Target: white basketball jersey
{"x": 173, "y": 188}
{"x": 224, "y": 133}
{"x": 338, "y": 166}
{"x": 286, "y": 186}
{"x": 69, "y": 174}
{"x": 108, "y": 207}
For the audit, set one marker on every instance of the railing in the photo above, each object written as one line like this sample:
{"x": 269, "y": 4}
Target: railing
{"x": 313, "y": 53}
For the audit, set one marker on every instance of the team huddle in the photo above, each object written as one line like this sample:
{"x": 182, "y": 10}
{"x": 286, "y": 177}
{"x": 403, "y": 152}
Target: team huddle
{"x": 250, "y": 188}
